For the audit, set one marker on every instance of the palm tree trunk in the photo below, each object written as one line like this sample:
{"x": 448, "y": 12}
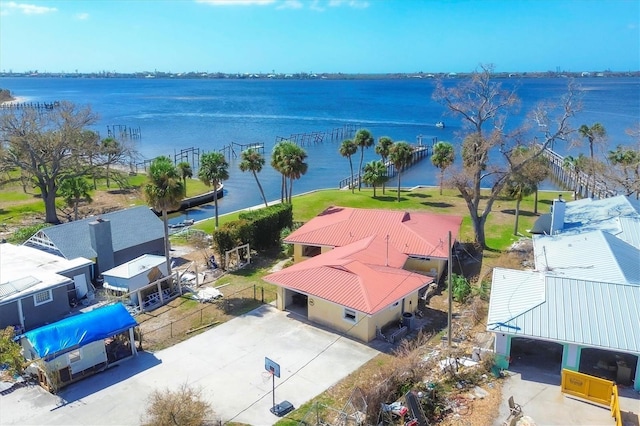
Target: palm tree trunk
{"x": 167, "y": 248}
{"x": 441, "y": 179}
{"x": 360, "y": 168}
{"x": 399, "y": 185}
{"x": 75, "y": 209}
{"x": 351, "y": 182}
{"x": 290, "y": 189}
{"x": 515, "y": 229}
{"x": 260, "y": 188}
{"x": 215, "y": 200}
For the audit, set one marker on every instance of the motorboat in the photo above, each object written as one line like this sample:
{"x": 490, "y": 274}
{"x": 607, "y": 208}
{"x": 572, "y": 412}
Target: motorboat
{"x": 440, "y": 124}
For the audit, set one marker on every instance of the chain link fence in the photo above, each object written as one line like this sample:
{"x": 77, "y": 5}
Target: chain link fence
{"x": 179, "y": 322}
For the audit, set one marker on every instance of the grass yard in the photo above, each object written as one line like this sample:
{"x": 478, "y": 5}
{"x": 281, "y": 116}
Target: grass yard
{"x": 499, "y": 227}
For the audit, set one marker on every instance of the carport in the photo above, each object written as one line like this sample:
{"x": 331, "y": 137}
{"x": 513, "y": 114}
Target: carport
{"x": 619, "y": 367}
{"x": 543, "y": 354}
{"x": 296, "y": 302}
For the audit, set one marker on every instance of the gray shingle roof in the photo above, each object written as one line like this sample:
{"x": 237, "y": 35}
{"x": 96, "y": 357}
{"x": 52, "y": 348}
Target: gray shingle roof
{"x": 129, "y": 228}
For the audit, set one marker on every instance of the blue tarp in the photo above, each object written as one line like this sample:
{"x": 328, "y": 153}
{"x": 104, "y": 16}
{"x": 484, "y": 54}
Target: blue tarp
{"x": 80, "y": 330}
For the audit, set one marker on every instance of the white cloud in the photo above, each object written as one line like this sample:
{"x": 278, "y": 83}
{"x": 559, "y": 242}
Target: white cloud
{"x": 315, "y": 5}
{"x": 236, "y": 2}
{"x": 355, "y": 4}
{"x": 27, "y": 9}
{"x": 290, "y": 4}
{"x": 82, "y": 16}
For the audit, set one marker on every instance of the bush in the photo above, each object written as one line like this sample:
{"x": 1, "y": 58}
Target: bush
{"x": 10, "y": 352}
{"x": 184, "y": 407}
{"x": 23, "y": 234}
{"x": 461, "y": 288}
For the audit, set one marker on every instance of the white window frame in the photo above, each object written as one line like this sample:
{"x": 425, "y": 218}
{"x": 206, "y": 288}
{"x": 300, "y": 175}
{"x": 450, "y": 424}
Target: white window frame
{"x": 350, "y": 315}
{"x": 75, "y": 356}
{"x": 49, "y": 297}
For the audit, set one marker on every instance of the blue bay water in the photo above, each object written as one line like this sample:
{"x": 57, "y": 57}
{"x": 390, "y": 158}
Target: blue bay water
{"x": 175, "y": 114}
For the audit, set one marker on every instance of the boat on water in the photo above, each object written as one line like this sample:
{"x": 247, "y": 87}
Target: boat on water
{"x": 440, "y": 124}
{"x": 183, "y": 224}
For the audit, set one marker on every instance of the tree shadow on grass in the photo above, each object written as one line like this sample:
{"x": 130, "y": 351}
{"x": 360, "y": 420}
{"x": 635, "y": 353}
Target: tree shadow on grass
{"x": 522, "y": 212}
{"x": 419, "y": 195}
{"x": 389, "y": 198}
{"x": 437, "y": 204}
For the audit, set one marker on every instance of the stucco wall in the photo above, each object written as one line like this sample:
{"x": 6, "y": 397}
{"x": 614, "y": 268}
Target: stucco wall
{"x": 332, "y": 315}
{"x": 297, "y": 252}
{"x": 425, "y": 266}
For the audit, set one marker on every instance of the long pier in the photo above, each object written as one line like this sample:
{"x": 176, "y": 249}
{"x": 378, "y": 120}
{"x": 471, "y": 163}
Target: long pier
{"x": 578, "y": 181}
{"x": 40, "y": 106}
{"x": 419, "y": 152}
{"x": 337, "y": 134}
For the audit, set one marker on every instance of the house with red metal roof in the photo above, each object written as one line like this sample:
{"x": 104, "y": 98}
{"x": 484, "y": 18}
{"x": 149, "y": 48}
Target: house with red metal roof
{"x": 359, "y": 270}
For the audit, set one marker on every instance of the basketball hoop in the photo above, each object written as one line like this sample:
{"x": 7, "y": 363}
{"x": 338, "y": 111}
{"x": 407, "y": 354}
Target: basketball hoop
{"x": 266, "y": 376}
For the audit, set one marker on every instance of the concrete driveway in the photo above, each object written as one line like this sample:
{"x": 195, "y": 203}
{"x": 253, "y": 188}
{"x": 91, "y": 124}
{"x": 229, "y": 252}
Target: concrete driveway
{"x": 538, "y": 392}
{"x": 226, "y": 362}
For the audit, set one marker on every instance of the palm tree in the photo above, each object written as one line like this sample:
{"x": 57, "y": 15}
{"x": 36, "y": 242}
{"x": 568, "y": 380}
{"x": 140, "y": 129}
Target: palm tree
{"x": 375, "y": 173}
{"x": 252, "y": 160}
{"x": 73, "y": 190}
{"x": 163, "y": 192}
{"x": 213, "y": 170}
{"x": 277, "y": 162}
{"x": 594, "y": 134}
{"x": 443, "y": 156}
{"x": 294, "y": 165}
{"x": 185, "y": 171}
{"x": 364, "y": 140}
{"x": 111, "y": 149}
{"x": 627, "y": 162}
{"x": 347, "y": 149}
{"x": 400, "y": 155}
{"x": 382, "y": 149}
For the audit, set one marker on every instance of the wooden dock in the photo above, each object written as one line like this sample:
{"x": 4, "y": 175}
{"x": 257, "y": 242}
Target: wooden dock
{"x": 419, "y": 152}
{"x": 571, "y": 179}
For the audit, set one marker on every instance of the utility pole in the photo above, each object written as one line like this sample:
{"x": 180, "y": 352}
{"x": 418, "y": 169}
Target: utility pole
{"x": 450, "y": 284}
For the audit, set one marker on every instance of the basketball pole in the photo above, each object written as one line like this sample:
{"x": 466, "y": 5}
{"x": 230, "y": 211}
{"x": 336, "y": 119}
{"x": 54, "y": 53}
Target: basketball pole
{"x": 273, "y": 391}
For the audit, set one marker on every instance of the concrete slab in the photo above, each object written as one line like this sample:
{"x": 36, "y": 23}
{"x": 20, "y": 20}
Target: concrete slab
{"x": 538, "y": 393}
{"x": 226, "y": 362}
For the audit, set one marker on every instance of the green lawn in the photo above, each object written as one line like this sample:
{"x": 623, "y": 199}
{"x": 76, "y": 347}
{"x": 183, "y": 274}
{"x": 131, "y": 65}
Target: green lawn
{"x": 499, "y": 227}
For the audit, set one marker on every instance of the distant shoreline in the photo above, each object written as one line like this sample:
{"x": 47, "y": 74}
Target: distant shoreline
{"x": 321, "y": 76}
{"x": 15, "y": 100}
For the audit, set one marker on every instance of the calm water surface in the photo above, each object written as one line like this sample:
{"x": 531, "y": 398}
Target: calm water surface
{"x": 210, "y": 114}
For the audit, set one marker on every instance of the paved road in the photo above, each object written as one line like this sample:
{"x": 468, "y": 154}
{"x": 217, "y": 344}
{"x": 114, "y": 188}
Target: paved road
{"x": 227, "y": 363}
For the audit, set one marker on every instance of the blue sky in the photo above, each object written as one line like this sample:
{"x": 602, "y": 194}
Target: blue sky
{"x": 289, "y": 36}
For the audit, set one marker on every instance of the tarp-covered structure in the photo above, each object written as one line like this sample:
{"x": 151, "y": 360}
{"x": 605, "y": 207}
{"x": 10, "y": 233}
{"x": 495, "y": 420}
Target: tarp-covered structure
{"x": 79, "y": 330}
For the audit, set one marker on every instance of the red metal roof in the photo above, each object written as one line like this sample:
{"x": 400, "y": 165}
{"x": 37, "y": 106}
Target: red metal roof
{"x": 365, "y": 275}
{"x": 412, "y": 233}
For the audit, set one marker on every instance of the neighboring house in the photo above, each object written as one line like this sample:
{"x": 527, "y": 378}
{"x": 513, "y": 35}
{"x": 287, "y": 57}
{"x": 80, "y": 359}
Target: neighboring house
{"x": 582, "y": 300}
{"x": 38, "y": 288}
{"x": 110, "y": 239}
{"x": 593, "y": 323}
{"x": 135, "y": 278}
{"x": 81, "y": 345}
{"x": 618, "y": 216}
{"x": 359, "y": 270}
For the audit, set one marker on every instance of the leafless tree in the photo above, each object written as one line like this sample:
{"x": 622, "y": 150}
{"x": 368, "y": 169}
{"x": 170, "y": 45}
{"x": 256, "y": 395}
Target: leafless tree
{"x": 484, "y": 106}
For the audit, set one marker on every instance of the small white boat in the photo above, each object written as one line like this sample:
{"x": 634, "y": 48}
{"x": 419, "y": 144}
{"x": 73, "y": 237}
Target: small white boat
{"x": 440, "y": 124}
